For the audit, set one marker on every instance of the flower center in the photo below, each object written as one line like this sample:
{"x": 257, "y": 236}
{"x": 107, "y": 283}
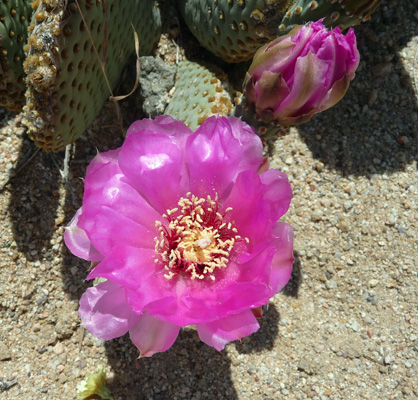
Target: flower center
{"x": 197, "y": 240}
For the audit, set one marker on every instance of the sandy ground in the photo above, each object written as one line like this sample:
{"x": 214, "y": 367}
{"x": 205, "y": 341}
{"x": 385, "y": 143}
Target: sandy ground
{"x": 345, "y": 327}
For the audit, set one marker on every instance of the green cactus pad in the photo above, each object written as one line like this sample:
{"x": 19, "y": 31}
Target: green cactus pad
{"x": 342, "y": 14}
{"x": 15, "y": 16}
{"x": 233, "y": 29}
{"x": 198, "y": 94}
{"x": 66, "y": 85}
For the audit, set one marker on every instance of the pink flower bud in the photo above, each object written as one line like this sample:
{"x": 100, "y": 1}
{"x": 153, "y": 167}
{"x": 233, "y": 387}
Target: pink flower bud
{"x": 302, "y": 73}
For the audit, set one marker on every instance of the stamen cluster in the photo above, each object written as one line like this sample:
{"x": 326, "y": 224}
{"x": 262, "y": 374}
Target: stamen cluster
{"x": 197, "y": 240}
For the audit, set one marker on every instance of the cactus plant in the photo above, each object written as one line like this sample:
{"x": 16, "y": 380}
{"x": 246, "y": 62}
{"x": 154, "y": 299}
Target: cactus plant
{"x": 66, "y": 87}
{"x": 341, "y": 13}
{"x": 198, "y": 94}
{"x": 66, "y": 84}
{"x": 233, "y": 29}
{"x": 15, "y": 16}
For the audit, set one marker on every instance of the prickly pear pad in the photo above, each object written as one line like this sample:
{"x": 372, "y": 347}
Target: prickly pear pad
{"x": 66, "y": 84}
{"x": 15, "y": 17}
{"x": 233, "y": 29}
{"x": 198, "y": 95}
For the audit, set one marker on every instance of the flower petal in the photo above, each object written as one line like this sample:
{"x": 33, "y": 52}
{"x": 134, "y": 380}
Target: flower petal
{"x": 108, "y": 157}
{"x": 237, "y": 288}
{"x": 126, "y": 265}
{"x": 308, "y": 85}
{"x": 222, "y": 331}
{"x": 78, "y": 242}
{"x": 154, "y": 164}
{"x": 178, "y": 131}
{"x": 281, "y": 268}
{"x": 251, "y": 213}
{"x": 218, "y": 151}
{"x": 136, "y": 270}
{"x": 151, "y": 335}
{"x": 106, "y": 187}
{"x": 107, "y": 229}
{"x": 278, "y": 192}
{"x": 105, "y": 312}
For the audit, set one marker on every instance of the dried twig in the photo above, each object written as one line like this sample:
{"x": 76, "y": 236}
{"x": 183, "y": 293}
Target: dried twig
{"x": 138, "y": 70}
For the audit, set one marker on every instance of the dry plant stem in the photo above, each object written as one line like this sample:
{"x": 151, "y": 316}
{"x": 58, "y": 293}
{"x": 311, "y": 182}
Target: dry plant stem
{"x": 80, "y": 337}
{"x": 64, "y": 172}
{"x": 138, "y": 70}
{"x": 67, "y": 161}
{"x": 177, "y": 52}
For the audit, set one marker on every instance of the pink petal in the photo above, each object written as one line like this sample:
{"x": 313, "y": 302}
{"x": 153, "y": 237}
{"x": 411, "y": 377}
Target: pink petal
{"x": 281, "y": 268}
{"x": 151, "y": 335}
{"x": 191, "y": 302}
{"x": 278, "y": 192}
{"x": 136, "y": 270}
{"x": 127, "y": 265}
{"x": 111, "y": 204}
{"x": 255, "y": 267}
{"x": 77, "y": 241}
{"x": 108, "y": 157}
{"x": 153, "y": 163}
{"x": 108, "y": 188}
{"x": 250, "y": 212}
{"x": 218, "y": 151}
{"x": 182, "y": 311}
{"x": 354, "y": 55}
{"x": 105, "y": 312}
{"x": 163, "y": 124}
{"x": 222, "y": 331}
{"x": 335, "y": 94}
{"x": 330, "y": 51}
{"x": 107, "y": 229}
{"x": 309, "y": 79}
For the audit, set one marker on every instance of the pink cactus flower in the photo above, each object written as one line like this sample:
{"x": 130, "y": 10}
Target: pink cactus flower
{"x": 184, "y": 227}
{"x": 302, "y": 73}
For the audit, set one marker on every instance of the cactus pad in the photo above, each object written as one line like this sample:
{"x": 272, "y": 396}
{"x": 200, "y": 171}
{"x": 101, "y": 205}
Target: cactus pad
{"x": 342, "y": 13}
{"x": 198, "y": 95}
{"x": 66, "y": 85}
{"x": 233, "y": 29}
{"x": 15, "y": 16}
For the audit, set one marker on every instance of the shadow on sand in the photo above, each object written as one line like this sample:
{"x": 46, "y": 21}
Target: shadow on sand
{"x": 371, "y": 137}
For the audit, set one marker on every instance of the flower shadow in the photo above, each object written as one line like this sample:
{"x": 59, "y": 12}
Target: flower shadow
{"x": 292, "y": 287}
{"x": 367, "y": 132}
{"x": 34, "y": 200}
{"x": 189, "y": 369}
{"x": 75, "y": 270}
{"x": 265, "y": 337}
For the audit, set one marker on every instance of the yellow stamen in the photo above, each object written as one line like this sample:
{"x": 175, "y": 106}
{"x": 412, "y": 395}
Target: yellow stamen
{"x": 197, "y": 240}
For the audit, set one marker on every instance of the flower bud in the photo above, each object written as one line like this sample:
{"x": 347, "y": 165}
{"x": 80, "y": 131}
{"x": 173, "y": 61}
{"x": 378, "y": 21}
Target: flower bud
{"x": 302, "y": 73}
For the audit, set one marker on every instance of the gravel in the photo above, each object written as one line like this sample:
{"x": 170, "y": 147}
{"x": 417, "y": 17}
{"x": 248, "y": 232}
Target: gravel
{"x": 346, "y": 325}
